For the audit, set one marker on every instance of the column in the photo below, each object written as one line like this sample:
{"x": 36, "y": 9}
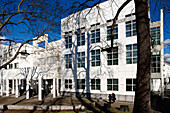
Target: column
{"x": 19, "y": 84}
{"x": 39, "y": 88}
{"x": 54, "y": 87}
{"x": 13, "y": 89}
{"x": 16, "y": 90}
{"x": 2, "y": 87}
{"x": 7, "y": 87}
{"x": 27, "y": 88}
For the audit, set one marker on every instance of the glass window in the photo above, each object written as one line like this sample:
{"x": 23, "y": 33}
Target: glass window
{"x": 16, "y": 65}
{"x": 95, "y": 84}
{"x": 68, "y": 83}
{"x": 155, "y": 33}
{"x": 95, "y": 36}
{"x": 130, "y": 84}
{"x": 80, "y": 83}
{"x": 80, "y": 39}
{"x": 131, "y": 28}
{"x": 95, "y": 57}
{"x": 68, "y": 42}
{"x": 155, "y": 62}
{"x": 115, "y": 32}
{"x": 112, "y": 84}
{"x": 131, "y": 54}
{"x": 68, "y": 60}
{"x": 81, "y": 59}
{"x": 112, "y": 57}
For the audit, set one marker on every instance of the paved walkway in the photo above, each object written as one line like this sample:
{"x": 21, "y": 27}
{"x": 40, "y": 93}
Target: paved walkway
{"x": 55, "y": 104}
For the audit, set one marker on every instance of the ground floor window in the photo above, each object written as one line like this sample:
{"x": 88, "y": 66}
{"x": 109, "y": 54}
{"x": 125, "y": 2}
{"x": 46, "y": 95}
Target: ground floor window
{"x": 95, "y": 84}
{"x": 130, "y": 84}
{"x": 80, "y": 83}
{"x": 112, "y": 84}
{"x": 68, "y": 83}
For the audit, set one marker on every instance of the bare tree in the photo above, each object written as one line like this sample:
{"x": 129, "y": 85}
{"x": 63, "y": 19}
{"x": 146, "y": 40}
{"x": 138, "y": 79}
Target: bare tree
{"x": 32, "y": 18}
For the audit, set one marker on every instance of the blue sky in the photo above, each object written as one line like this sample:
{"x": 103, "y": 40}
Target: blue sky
{"x": 155, "y": 6}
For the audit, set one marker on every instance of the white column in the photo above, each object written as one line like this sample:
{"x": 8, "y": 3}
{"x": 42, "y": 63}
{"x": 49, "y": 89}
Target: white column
{"x": 54, "y": 87}
{"x": 7, "y": 87}
{"x": 2, "y": 87}
{"x": 39, "y": 88}
{"x": 162, "y": 55}
{"x": 16, "y": 90}
{"x": 27, "y": 88}
{"x": 13, "y": 83}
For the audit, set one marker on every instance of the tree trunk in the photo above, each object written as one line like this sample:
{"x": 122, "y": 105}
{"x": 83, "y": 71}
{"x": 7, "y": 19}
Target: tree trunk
{"x": 142, "y": 93}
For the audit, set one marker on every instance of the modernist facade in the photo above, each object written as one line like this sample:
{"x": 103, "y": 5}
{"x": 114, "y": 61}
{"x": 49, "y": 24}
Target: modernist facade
{"x": 35, "y": 71}
{"x": 85, "y": 69}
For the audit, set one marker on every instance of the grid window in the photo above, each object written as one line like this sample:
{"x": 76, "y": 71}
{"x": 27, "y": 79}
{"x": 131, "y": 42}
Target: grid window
{"x": 16, "y": 65}
{"x": 115, "y": 32}
{"x": 10, "y": 66}
{"x": 131, "y": 28}
{"x": 68, "y": 42}
{"x": 112, "y": 57}
{"x": 80, "y": 83}
{"x": 80, "y": 39}
{"x": 155, "y": 62}
{"x": 130, "y": 84}
{"x": 68, "y": 59}
{"x": 112, "y": 84}
{"x": 68, "y": 83}
{"x": 95, "y": 84}
{"x": 95, "y": 36}
{"x": 81, "y": 59}
{"x": 131, "y": 54}
{"x": 95, "y": 57}
{"x": 155, "y": 33}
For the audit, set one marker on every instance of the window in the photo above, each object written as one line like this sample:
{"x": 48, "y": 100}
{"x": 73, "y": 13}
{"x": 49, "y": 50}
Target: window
{"x": 155, "y": 33}
{"x": 130, "y": 84}
{"x": 95, "y": 84}
{"x": 68, "y": 59}
{"x": 95, "y": 36}
{"x": 112, "y": 57}
{"x": 131, "y": 54}
{"x": 155, "y": 62}
{"x": 115, "y": 32}
{"x": 16, "y": 65}
{"x": 68, "y": 83}
{"x": 95, "y": 57}
{"x": 131, "y": 28}
{"x": 112, "y": 84}
{"x": 80, "y": 83}
{"x": 81, "y": 59}
{"x": 68, "y": 42}
{"x": 80, "y": 39}
{"x": 10, "y": 66}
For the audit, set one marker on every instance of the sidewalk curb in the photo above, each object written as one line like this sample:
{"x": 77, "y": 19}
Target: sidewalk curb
{"x": 40, "y": 107}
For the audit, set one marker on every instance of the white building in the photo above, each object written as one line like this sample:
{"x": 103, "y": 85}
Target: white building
{"x": 85, "y": 69}
{"x": 35, "y": 71}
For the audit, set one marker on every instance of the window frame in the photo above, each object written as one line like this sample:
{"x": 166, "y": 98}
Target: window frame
{"x": 115, "y": 32}
{"x": 95, "y": 58}
{"x": 131, "y": 30}
{"x": 81, "y": 85}
{"x": 131, "y": 85}
{"x": 95, "y": 85}
{"x": 131, "y": 54}
{"x": 81, "y": 59}
{"x": 68, "y": 61}
{"x": 111, "y": 55}
{"x": 114, "y": 86}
